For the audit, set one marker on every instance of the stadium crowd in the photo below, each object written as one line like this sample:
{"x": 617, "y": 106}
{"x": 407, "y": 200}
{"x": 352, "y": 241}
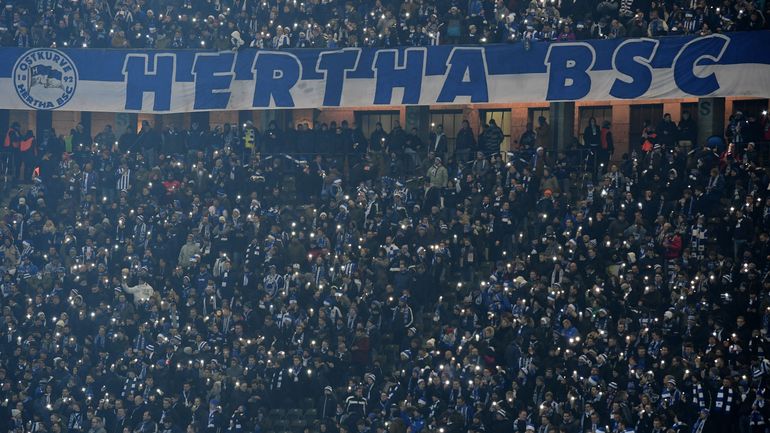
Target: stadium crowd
{"x": 203, "y": 281}
{"x": 279, "y": 24}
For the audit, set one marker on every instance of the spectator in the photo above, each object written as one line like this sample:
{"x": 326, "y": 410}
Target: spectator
{"x": 147, "y": 142}
{"x": 437, "y": 174}
{"x": 543, "y": 132}
{"x": 592, "y": 134}
{"x": 657, "y": 26}
{"x": 465, "y": 142}
{"x": 649, "y": 137}
{"x": 492, "y": 138}
{"x": 638, "y": 26}
{"x": 454, "y": 25}
{"x": 566, "y": 35}
{"x": 607, "y": 146}
{"x": 667, "y": 131}
{"x": 688, "y": 130}
{"x": 438, "y": 141}
{"x": 617, "y": 31}
{"x": 414, "y": 147}
{"x": 528, "y": 137}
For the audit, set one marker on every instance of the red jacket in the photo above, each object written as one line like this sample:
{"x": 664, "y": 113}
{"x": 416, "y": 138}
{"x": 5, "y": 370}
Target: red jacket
{"x": 606, "y": 139}
{"x": 28, "y": 145}
{"x": 674, "y": 247}
{"x": 12, "y": 138}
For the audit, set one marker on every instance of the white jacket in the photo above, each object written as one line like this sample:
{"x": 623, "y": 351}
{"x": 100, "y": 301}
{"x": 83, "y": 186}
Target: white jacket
{"x": 142, "y": 292}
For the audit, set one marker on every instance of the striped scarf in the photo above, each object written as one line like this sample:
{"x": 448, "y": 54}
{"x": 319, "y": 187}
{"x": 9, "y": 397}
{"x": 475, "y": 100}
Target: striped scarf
{"x": 272, "y": 283}
{"x": 724, "y": 400}
{"x": 698, "y": 238}
{"x": 75, "y": 421}
{"x": 625, "y": 7}
{"x": 668, "y": 398}
{"x": 654, "y": 348}
{"x": 611, "y": 397}
{"x": 538, "y": 394}
{"x": 698, "y": 399}
{"x": 698, "y": 426}
{"x": 525, "y": 362}
{"x": 348, "y": 268}
{"x": 130, "y": 386}
{"x": 277, "y": 382}
{"x": 139, "y": 342}
{"x": 760, "y": 402}
{"x": 26, "y": 249}
{"x": 124, "y": 179}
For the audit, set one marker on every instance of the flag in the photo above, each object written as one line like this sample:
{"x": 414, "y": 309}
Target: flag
{"x": 54, "y": 78}
{"x": 39, "y": 74}
{"x": 46, "y": 75}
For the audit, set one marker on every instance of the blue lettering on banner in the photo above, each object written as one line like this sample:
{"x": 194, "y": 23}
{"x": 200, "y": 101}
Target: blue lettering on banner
{"x": 473, "y": 62}
{"x": 213, "y": 75}
{"x": 732, "y": 64}
{"x": 568, "y": 66}
{"x": 390, "y": 75}
{"x": 140, "y": 80}
{"x": 335, "y": 64}
{"x": 711, "y": 48}
{"x": 276, "y": 74}
{"x": 632, "y": 58}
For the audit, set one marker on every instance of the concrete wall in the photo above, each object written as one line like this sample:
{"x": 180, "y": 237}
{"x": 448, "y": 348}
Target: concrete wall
{"x": 621, "y": 126}
{"x": 327, "y": 115}
{"x": 63, "y": 121}
{"x": 100, "y": 120}
{"x": 26, "y": 119}
{"x": 306, "y": 115}
{"x": 222, "y": 117}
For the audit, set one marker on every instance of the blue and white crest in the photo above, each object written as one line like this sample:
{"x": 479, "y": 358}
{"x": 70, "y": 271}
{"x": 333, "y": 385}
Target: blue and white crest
{"x": 45, "y": 79}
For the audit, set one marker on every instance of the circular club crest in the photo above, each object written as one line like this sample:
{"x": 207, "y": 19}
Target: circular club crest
{"x": 45, "y": 79}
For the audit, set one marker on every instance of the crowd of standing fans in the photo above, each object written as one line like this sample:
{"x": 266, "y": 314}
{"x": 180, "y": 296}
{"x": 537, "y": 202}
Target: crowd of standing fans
{"x": 280, "y": 24}
{"x": 319, "y": 280}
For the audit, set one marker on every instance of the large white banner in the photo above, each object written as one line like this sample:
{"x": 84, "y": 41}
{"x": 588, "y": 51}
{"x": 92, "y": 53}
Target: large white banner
{"x": 189, "y": 80}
